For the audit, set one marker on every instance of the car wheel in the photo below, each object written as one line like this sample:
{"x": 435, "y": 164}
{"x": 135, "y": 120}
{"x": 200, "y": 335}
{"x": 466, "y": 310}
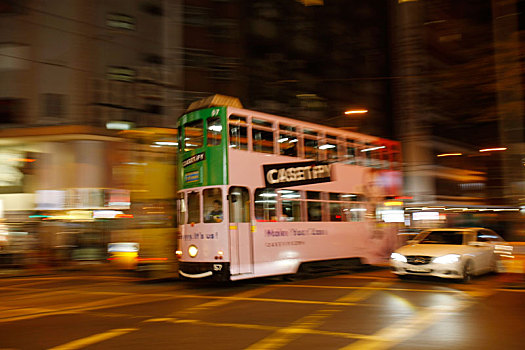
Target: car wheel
{"x": 467, "y": 272}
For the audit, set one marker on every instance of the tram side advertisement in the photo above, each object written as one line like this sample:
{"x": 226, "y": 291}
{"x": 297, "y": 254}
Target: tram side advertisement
{"x": 296, "y": 174}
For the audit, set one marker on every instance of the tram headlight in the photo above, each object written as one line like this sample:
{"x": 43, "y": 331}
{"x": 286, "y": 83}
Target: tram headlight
{"x": 192, "y": 251}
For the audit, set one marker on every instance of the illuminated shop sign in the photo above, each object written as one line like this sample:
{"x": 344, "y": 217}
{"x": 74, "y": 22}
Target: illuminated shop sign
{"x": 123, "y": 247}
{"x": 295, "y": 174}
{"x": 425, "y": 215}
{"x": 82, "y": 198}
{"x": 50, "y": 200}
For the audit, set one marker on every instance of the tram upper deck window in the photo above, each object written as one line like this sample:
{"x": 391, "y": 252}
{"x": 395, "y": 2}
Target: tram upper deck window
{"x": 376, "y": 152}
{"x": 238, "y": 132}
{"x": 385, "y": 157}
{"x": 194, "y": 208}
{"x": 287, "y": 144}
{"x": 214, "y": 131}
{"x": 360, "y": 155}
{"x": 365, "y": 154}
{"x": 261, "y": 122}
{"x": 290, "y": 205}
{"x": 237, "y": 119}
{"x": 311, "y": 144}
{"x": 395, "y": 157}
{"x": 265, "y": 204}
{"x": 288, "y": 140}
{"x": 330, "y": 146}
{"x": 350, "y": 157}
{"x": 262, "y": 140}
{"x": 193, "y": 135}
{"x": 287, "y": 128}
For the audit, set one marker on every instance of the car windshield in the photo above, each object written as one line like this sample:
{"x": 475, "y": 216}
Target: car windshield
{"x": 441, "y": 237}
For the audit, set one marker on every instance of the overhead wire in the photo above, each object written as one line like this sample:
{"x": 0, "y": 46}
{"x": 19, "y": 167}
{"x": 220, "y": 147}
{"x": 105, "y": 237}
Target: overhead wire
{"x": 83, "y": 22}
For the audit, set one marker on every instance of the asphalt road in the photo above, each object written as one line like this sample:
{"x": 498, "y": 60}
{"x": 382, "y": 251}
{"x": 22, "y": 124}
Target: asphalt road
{"x": 363, "y": 310}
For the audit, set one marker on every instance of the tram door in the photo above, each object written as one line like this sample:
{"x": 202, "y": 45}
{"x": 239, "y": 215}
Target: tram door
{"x": 241, "y": 249}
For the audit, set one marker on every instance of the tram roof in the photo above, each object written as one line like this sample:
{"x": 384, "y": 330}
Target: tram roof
{"x": 215, "y": 101}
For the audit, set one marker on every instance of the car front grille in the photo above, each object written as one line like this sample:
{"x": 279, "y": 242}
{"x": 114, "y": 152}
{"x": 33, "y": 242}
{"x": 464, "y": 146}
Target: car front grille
{"x": 418, "y": 259}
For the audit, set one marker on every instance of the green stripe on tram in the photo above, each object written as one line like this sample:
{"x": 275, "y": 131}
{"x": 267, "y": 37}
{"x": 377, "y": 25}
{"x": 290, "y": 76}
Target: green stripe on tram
{"x": 206, "y": 165}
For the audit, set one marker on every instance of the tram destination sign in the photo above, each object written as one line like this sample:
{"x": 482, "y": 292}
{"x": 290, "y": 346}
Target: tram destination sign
{"x": 295, "y": 174}
{"x": 199, "y": 157}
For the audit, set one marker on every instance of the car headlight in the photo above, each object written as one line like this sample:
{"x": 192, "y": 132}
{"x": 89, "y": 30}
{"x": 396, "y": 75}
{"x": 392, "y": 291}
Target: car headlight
{"x": 192, "y": 251}
{"x": 447, "y": 259}
{"x": 398, "y": 257}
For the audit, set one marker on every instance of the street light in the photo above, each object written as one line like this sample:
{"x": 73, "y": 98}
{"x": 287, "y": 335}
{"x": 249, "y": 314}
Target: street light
{"x": 354, "y": 121}
{"x": 356, "y": 111}
{"x": 349, "y": 112}
{"x": 493, "y": 149}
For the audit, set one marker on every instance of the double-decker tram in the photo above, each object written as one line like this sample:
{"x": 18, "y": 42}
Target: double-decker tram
{"x": 264, "y": 195}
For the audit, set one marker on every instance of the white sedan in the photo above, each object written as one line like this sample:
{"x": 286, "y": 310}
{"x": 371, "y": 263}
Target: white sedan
{"x": 448, "y": 253}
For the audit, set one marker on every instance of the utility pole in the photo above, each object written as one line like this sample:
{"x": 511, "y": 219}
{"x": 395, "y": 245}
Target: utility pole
{"x": 509, "y": 90}
{"x": 410, "y": 111}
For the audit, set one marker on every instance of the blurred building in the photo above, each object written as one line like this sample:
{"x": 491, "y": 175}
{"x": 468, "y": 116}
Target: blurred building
{"x": 73, "y": 74}
{"x": 89, "y": 62}
{"x": 432, "y": 74}
{"x": 315, "y": 62}
{"x": 213, "y": 59}
{"x": 453, "y": 101}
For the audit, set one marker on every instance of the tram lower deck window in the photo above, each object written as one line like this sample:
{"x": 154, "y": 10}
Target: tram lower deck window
{"x": 212, "y": 200}
{"x": 290, "y": 205}
{"x": 194, "y": 208}
{"x": 265, "y": 204}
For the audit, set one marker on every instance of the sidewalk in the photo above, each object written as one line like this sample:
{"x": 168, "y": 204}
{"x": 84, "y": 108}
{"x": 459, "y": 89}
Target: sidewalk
{"x": 101, "y": 268}
{"x": 48, "y": 270}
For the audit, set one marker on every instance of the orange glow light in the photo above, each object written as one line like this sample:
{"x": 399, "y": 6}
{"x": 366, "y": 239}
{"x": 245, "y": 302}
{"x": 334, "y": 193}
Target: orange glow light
{"x": 449, "y": 154}
{"x": 27, "y": 160}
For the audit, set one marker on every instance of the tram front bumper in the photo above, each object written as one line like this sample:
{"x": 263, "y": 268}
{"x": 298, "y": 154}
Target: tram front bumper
{"x": 205, "y": 270}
